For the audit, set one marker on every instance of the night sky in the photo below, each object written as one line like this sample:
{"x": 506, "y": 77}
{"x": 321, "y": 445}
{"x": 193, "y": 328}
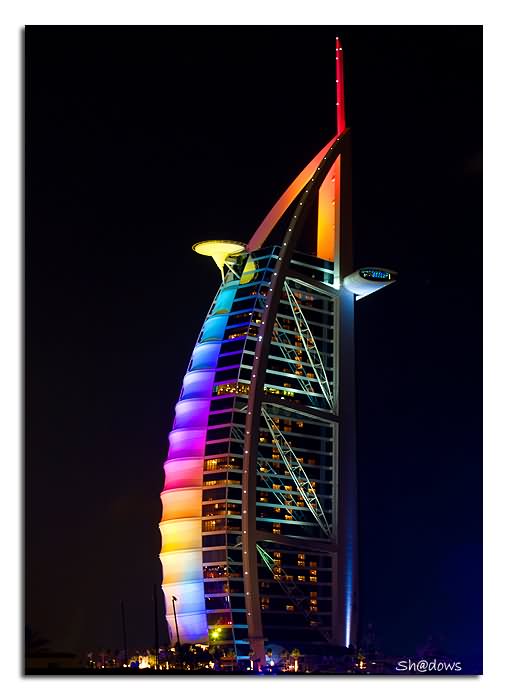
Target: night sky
{"x": 141, "y": 141}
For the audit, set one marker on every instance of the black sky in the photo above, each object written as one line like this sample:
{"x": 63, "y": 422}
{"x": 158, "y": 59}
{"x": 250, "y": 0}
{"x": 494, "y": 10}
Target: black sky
{"x": 141, "y": 141}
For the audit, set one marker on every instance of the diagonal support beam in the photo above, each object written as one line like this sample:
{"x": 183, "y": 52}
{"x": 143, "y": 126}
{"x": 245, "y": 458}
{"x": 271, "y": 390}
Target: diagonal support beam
{"x": 310, "y": 346}
{"x": 289, "y": 352}
{"x": 297, "y": 473}
{"x": 270, "y": 477}
{"x": 292, "y": 591}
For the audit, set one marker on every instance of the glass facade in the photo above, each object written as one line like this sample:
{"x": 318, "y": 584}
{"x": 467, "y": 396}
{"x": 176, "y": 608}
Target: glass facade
{"x": 296, "y": 465}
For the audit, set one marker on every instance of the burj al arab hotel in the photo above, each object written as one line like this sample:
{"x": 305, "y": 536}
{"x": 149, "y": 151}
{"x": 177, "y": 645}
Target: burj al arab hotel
{"x": 259, "y": 504}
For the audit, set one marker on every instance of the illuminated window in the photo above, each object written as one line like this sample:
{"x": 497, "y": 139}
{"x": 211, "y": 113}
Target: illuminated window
{"x": 288, "y": 488}
{"x": 277, "y": 510}
{"x": 313, "y": 572}
{"x": 313, "y": 579}
{"x": 313, "y": 564}
{"x": 276, "y": 555}
{"x": 313, "y": 594}
{"x": 288, "y": 517}
{"x": 301, "y": 578}
{"x": 300, "y": 423}
{"x": 276, "y": 529}
{"x": 276, "y": 487}
{"x": 230, "y": 389}
{"x": 290, "y": 608}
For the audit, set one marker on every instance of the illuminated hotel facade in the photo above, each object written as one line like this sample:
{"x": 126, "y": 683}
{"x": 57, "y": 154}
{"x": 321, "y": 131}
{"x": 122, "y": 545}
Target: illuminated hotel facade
{"x": 259, "y": 522}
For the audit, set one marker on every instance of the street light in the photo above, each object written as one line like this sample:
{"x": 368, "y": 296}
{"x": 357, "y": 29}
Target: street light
{"x": 177, "y": 632}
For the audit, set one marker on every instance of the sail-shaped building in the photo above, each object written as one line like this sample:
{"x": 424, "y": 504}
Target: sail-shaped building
{"x": 259, "y": 521}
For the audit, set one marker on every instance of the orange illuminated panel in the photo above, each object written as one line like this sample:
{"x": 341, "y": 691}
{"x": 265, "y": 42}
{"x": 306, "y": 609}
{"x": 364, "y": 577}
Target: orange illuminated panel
{"x": 328, "y": 213}
{"x": 181, "y": 503}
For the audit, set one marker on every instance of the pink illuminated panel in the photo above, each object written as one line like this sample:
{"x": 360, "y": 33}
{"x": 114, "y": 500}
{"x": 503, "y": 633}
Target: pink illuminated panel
{"x": 183, "y": 472}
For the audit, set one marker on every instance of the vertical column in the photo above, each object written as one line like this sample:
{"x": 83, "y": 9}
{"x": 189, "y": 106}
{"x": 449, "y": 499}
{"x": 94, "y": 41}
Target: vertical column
{"x": 347, "y": 582}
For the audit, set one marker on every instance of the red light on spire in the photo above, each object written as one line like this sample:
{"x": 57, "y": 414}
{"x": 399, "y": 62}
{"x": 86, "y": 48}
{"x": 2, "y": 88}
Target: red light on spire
{"x": 339, "y": 84}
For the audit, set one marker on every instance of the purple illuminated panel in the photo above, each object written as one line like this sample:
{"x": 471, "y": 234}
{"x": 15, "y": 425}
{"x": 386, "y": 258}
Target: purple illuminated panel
{"x": 192, "y": 413}
{"x": 205, "y": 356}
{"x": 198, "y": 385}
{"x": 186, "y": 443}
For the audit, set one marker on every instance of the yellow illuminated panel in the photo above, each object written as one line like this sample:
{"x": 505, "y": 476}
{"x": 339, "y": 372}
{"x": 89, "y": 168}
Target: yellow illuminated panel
{"x": 180, "y": 534}
{"x": 248, "y": 271}
{"x": 179, "y": 566}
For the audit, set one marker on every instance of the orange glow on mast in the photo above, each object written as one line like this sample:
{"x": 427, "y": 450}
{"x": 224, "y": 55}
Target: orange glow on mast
{"x": 328, "y": 204}
{"x": 329, "y": 193}
{"x": 265, "y": 227}
{"x": 328, "y": 213}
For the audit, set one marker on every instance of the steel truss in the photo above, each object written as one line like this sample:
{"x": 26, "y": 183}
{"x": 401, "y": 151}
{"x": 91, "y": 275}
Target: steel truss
{"x": 284, "y": 341}
{"x": 294, "y": 594}
{"x": 310, "y": 346}
{"x": 297, "y": 473}
{"x": 271, "y": 477}
{"x": 289, "y": 353}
